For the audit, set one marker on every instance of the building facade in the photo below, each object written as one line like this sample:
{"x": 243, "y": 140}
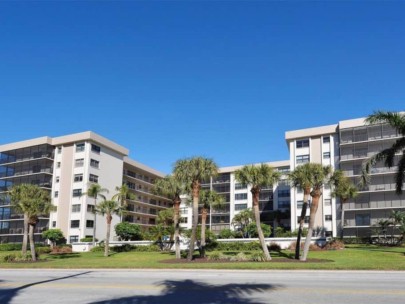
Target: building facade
{"x": 274, "y": 200}
{"x": 66, "y": 166}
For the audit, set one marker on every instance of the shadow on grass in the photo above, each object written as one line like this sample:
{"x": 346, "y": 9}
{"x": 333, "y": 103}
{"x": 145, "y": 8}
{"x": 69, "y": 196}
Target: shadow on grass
{"x": 60, "y": 256}
{"x": 7, "y": 295}
{"x": 189, "y": 291}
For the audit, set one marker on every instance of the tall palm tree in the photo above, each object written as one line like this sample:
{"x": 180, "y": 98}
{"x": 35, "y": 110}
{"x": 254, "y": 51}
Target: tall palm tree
{"x": 108, "y": 208}
{"x": 396, "y": 121}
{"x": 33, "y": 202}
{"x": 192, "y": 172}
{"x": 319, "y": 176}
{"x": 122, "y": 195}
{"x": 172, "y": 188}
{"x": 243, "y": 219}
{"x": 344, "y": 189}
{"x": 258, "y": 177}
{"x": 302, "y": 177}
{"x": 208, "y": 198}
{"x": 95, "y": 191}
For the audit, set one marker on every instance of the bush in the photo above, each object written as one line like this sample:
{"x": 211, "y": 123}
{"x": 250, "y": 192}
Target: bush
{"x": 128, "y": 232}
{"x": 226, "y": 234}
{"x": 42, "y": 250}
{"x": 122, "y": 248}
{"x": 312, "y": 247}
{"x": 274, "y": 247}
{"x": 61, "y": 249}
{"x": 17, "y": 247}
{"x": 238, "y": 246}
{"x": 258, "y": 257}
{"x": 240, "y": 257}
{"x": 87, "y": 239}
{"x": 148, "y": 248}
{"x": 18, "y": 257}
{"x": 97, "y": 249}
{"x": 364, "y": 240}
{"x": 217, "y": 256}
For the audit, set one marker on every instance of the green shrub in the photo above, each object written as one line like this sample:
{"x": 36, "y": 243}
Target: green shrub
{"x": 217, "y": 256}
{"x": 240, "y": 257}
{"x": 238, "y": 246}
{"x": 148, "y": 248}
{"x": 97, "y": 249}
{"x": 123, "y": 248}
{"x": 87, "y": 239}
{"x": 10, "y": 247}
{"x": 41, "y": 250}
{"x": 364, "y": 240}
{"x": 258, "y": 257}
{"x": 18, "y": 257}
{"x": 226, "y": 234}
{"x": 10, "y": 257}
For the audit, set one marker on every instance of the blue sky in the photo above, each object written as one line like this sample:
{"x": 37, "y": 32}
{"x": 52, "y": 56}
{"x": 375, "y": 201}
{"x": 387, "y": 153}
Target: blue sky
{"x": 172, "y": 79}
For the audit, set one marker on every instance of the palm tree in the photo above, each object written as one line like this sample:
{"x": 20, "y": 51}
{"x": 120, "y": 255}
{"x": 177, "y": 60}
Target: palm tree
{"x": 192, "y": 172}
{"x": 397, "y": 218}
{"x": 32, "y": 201}
{"x": 384, "y": 224}
{"x": 172, "y": 188}
{"x": 122, "y": 195}
{"x": 243, "y": 219}
{"x": 319, "y": 175}
{"x": 258, "y": 177}
{"x": 95, "y": 191}
{"x": 396, "y": 121}
{"x": 108, "y": 208}
{"x": 344, "y": 189}
{"x": 302, "y": 177}
{"x": 208, "y": 198}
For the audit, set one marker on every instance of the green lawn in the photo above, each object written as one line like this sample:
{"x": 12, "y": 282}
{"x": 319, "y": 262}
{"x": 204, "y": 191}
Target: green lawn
{"x": 353, "y": 257}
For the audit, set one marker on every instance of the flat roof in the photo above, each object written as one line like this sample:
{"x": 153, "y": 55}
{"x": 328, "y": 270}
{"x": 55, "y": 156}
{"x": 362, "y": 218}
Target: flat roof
{"x": 141, "y": 166}
{"x": 310, "y": 132}
{"x": 275, "y": 164}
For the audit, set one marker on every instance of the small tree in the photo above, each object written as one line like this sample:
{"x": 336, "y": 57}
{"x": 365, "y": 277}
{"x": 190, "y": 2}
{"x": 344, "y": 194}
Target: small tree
{"x": 242, "y": 220}
{"x": 128, "y": 232}
{"x": 108, "y": 208}
{"x": 252, "y": 230}
{"x": 53, "y": 235}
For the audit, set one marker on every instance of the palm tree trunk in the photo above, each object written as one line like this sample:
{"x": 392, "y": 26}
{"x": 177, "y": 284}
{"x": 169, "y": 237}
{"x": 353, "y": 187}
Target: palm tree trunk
{"x": 107, "y": 238}
{"x": 32, "y": 243}
{"x": 204, "y": 215}
{"x": 302, "y": 221}
{"x": 342, "y": 220}
{"x": 25, "y": 237}
{"x": 313, "y": 209}
{"x": 176, "y": 218}
{"x": 95, "y": 219}
{"x": 196, "y": 194}
{"x": 259, "y": 228}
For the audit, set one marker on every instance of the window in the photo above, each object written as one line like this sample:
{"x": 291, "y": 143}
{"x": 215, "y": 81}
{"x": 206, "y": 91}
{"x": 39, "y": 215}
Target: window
{"x": 58, "y": 165}
{"x": 74, "y": 224}
{"x": 59, "y": 149}
{"x": 300, "y": 204}
{"x": 76, "y": 208}
{"x": 306, "y": 220}
{"x": 283, "y": 182}
{"x": 95, "y": 148}
{"x": 57, "y": 179}
{"x": 239, "y": 186}
{"x": 90, "y": 208}
{"x": 73, "y": 239}
{"x": 240, "y": 196}
{"x": 184, "y": 210}
{"x": 79, "y": 162}
{"x": 362, "y": 219}
{"x": 326, "y": 155}
{"x": 89, "y": 224}
{"x": 56, "y": 194}
{"x": 303, "y": 143}
{"x": 240, "y": 207}
{"x": 326, "y": 139}
{"x": 302, "y": 159}
{"x": 283, "y": 193}
{"x": 78, "y": 178}
{"x": 328, "y": 202}
{"x": 94, "y": 163}
{"x": 299, "y": 190}
{"x": 80, "y": 147}
{"x": 53, "y": 224}
{"x": 77, "y": 192}
{"x": 328, "y": 218}
{"x": 93, "y": 178}
{"x": 183, "y": 220}
{"x": 283, "y": 204}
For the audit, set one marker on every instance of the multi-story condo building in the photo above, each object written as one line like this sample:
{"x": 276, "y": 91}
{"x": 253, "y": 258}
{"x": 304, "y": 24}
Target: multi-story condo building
{"x": 66, "y": 166}
{"x": 274, "y": 200}
{"x": 345, "y": 146}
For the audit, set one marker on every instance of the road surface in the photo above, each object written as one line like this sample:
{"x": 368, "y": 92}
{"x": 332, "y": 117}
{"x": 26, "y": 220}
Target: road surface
{"x": 200, "y": 286}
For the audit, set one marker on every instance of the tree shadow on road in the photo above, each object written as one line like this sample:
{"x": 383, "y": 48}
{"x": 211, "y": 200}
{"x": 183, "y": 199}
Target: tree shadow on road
{"x": 189, "y": 291}
{"x": 6, "y": 295}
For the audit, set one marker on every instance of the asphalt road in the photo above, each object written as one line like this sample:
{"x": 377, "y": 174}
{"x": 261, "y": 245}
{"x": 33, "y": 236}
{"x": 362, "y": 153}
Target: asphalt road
{"x": 200, "y": 286}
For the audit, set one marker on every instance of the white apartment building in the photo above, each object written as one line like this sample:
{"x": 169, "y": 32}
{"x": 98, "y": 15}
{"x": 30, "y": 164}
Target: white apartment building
{"x": 66, "y": 166}
{"x": 274, "y": 200}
